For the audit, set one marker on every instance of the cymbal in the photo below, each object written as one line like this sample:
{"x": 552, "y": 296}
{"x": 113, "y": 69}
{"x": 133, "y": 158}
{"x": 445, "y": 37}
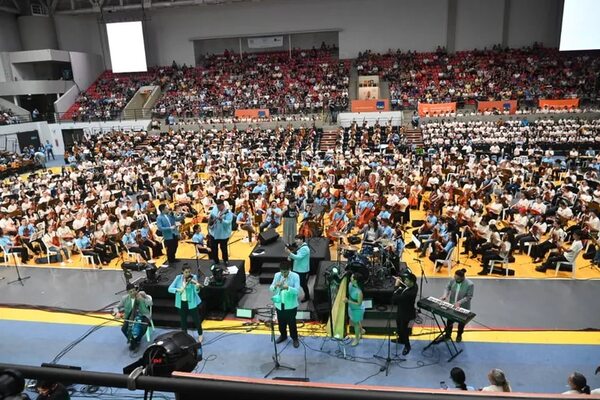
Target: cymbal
{"x": 338, "y": 235}
{"x": 386, "y": 242}
{"x": 349, "y": 247}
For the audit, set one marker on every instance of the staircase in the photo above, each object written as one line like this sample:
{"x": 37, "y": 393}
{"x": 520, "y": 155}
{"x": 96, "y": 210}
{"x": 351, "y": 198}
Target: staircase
{"x": 414, "y": 136}
{"x": 328, "y": 140}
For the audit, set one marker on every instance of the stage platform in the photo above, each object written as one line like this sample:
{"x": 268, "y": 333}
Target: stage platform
{"x": 275, "y": 253}
{"x": 217, "y": 300}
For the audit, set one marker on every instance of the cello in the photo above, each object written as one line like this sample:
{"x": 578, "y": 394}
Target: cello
{"x": 366, "y": 214}
{"x": 336, "y": 225}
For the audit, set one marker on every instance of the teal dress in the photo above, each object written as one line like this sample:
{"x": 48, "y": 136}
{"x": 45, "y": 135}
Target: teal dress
{"x": 355, "y": 312}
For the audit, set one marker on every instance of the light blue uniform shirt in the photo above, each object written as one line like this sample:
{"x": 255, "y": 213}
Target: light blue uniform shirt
{"x": 221, "y": 229}
{"x": 289, "y": 297}
{"x": 301, "y": 259}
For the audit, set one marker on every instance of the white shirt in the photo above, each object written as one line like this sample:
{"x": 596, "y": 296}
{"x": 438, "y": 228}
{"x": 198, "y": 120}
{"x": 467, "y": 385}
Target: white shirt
{"x": 576, "y": 247}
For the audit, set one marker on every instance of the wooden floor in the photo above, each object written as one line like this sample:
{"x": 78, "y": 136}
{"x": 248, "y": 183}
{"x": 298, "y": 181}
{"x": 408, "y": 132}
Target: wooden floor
{"x": 238, "y": 250}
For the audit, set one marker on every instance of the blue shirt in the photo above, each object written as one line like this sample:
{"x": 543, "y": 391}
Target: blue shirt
{"x": 384, "y": 215}
{"x": 221, "y": 229}
{"x": 301, "y": 259}
{"x": 198, "y": 238}
{"x": 191, "y": 292}
{"x": 30, "y": 227}
{"x": 275, "y": 215}
{"x": 128, "y": 238}
{"x": 145, "y": 232}
{"x": 5, "y": 242}
{"x": 387, "y": 232}
{"x": 260, "y": 188}
{"x": 83, "y": 242}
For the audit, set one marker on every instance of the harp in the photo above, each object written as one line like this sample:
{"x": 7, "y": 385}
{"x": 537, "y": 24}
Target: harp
{"x": 336, "y": 325}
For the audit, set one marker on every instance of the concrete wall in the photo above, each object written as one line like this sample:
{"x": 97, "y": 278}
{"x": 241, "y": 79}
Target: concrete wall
{"x": 534, "y": 21}
{"x": 37, "y": 32}
{"x": 86, "y": 68}
{"x": 9, "y": 33}
{"x": 478, "y": 23}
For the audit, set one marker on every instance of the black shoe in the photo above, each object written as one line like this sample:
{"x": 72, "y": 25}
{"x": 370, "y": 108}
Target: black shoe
{"x": 406, "y": 350}
{"x": 459, "y": 339}
{"x": 296, "y": 343}
{"x": 281, "y": 339}
{"x": 540, "y": 269}
{"x": 484, "y": 272}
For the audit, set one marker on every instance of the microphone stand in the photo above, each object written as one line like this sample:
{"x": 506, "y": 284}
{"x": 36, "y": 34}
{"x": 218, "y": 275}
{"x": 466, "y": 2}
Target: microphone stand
{"x": 388, "y": 360}
{"x": 19, "y": 278}
{"x": 276, "y": 354}
{"x": 423, "y": 276}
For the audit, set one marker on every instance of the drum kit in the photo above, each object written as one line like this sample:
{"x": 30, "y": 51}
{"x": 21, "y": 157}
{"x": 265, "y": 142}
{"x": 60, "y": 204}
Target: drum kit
{"x": 374, "y": 261}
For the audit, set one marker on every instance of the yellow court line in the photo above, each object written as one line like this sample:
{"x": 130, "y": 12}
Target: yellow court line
{"x": 313, "y": 329}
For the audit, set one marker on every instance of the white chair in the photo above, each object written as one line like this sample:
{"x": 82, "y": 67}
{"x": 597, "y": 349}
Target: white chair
{"x": 503, "y": 263}
{"x": 87, "y": 258}
{"x": 7, "y": 255}
{"x": 566, "y": 263}
{"x": 437, "y": 264}
{"x": 529, "y": 245}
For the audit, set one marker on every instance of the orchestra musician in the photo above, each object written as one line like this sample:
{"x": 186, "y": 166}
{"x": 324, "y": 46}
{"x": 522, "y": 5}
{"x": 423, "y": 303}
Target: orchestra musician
{"x": 301, "y": 260}
{"x": 85, "y": 246}
{"x": 459, "y": 292}
{"x": 133, "y": 244}
{"x": 198, "y": 240}
{"x": 185, "y": 286}
{"x": 244, "y": 222}
{"x": 404, "y": 297}
{"x": 166, "y": 223}
{"x": 220, "y": 219}
{"x": 134, "y": 308}
{"x": 8, "y": 245}
{"x": 272, "y": 217}
{"x": 147, "y": 239}
{"x": 285, "y": 288}
{"x": 52, "y": 243}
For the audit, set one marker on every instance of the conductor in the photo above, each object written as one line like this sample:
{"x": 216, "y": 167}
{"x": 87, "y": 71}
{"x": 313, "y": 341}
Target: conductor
{"x": 404, "y": 297}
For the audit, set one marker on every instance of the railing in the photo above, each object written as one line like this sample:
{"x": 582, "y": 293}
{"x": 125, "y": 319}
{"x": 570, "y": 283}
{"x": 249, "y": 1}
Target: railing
{"x": 196, "y": 386}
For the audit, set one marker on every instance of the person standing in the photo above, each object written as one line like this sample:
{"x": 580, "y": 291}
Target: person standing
{"x": 134, "y": 308}
{"x": 459, "y": 293}
{"x": 285, "y": 288}
{"x": 166, "y": 223}
{"x": 49, "y": 150}
{"x": 290, "y": 221}
{"x": 219, "y": 229}
{"x": 185, "y": 286}
{"x": 356, "y": 309}
{"x": 404, "y": 297}
{"x": 301, "y": 259}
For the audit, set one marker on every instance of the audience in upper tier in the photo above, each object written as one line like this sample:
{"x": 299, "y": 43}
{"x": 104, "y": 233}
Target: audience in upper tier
{"x": 312, "y": 81}
{"x": 491, "y": 74}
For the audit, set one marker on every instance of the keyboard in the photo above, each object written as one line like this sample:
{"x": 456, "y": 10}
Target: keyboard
{"x": 446, "y": 310}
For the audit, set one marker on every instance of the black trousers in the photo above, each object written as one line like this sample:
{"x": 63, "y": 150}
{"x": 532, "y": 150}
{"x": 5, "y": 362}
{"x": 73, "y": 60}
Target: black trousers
{"x": 304, "y": 284}
{"x": 403, "y": 329}
{"x": 450, "y": 326}
{"x": 214, "y": 249}
{"x": 551, "y": 262}
{"x": 184, "y": 311}
{"x": 287, "y": 318}
{"x": 171, "y": 246}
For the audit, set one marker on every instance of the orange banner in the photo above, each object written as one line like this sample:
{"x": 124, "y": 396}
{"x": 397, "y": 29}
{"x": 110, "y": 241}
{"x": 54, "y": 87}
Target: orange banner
{"x": 559, "y": 104}
{"x": 370, "y": 105}
{"x": 436, "y": 108}
{"x": 502, "y": 105}
{"x": 252, "y": 113}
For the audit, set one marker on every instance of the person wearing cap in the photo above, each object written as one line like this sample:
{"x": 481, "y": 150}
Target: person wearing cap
{"x": 285, "y": 288}
{"x": 134, "y": 308}
{"x": 220, "y": 221}
{"x": 404, "y": 297}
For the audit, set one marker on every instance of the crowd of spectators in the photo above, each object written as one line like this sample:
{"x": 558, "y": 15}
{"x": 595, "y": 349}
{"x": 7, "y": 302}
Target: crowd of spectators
{"x": 524, "y": 74}
{"x": 8, "y": 117}
{"x": 304, "y": 83}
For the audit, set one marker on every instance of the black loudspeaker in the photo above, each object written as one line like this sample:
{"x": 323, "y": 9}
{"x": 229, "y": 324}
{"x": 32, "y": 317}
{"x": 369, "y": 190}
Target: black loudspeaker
{"x": 171, "y": 351}
{"x": 268, "y": 236}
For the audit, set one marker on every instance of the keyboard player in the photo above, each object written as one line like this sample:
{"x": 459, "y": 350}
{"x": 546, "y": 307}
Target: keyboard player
{"x": 459, "y": 293}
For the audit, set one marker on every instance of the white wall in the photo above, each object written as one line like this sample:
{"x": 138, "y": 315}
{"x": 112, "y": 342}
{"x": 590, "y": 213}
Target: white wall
{"x": 78, "y": 33}
{"x": 9, "y": 33}
{"x": 37, "y": 32}
{"x": 478, "y": 23}
{"x": 534, "y": 21}
{"x": 86, "y": 68}
{"x": 375, "y": 24}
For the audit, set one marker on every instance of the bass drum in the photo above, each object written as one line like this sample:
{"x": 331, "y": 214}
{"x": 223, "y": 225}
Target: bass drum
{"x": 358, "y": 266}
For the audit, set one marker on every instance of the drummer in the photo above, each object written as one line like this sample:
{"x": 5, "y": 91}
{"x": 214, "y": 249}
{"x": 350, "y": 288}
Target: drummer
{"x": 371, "y": 233}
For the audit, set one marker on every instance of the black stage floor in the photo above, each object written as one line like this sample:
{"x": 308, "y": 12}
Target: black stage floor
{"x": 217, "y": 300}
{"x": 275, "y": 253}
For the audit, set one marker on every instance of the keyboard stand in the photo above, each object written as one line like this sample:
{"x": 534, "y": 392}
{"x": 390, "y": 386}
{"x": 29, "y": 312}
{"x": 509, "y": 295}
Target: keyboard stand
{"x": 441, "y": 338}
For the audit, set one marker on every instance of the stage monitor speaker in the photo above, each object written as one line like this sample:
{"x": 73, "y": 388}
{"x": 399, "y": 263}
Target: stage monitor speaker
{"x": 244, "y": 313}
{"x": 268, "y": 236}
{"x": 303, "y": 315}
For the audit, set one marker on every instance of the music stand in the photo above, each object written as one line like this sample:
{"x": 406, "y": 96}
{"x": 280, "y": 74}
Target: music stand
{"x": 19, "y": 279}
{"x": 276, "y": 354}
{"x": 389, "y": 359}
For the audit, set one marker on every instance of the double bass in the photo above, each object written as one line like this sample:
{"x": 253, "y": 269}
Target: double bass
{"x": 363, "y": 217}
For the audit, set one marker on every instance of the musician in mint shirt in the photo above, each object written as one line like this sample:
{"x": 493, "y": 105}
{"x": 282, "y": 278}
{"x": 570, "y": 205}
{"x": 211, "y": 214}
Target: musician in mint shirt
{"x": 285, "y": 288}
{"x": 134, "y": 308}
{"x": 459, "y": 293}
{"x": 186, "y": 288}
{"x": 219, "y": 229}
{"x": 301, "y": 259}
